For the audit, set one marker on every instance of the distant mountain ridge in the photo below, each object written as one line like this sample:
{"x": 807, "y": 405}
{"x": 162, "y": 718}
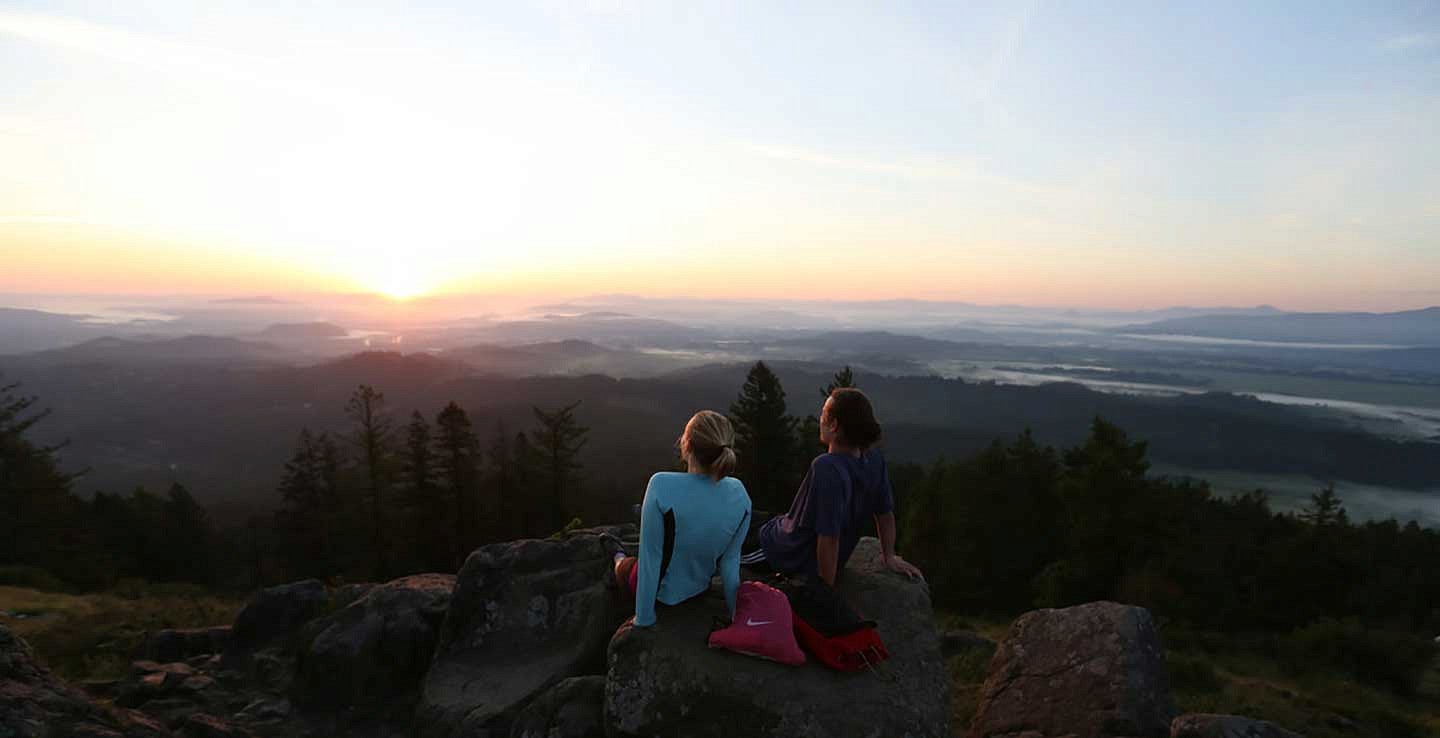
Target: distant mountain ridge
{"x": 1406, "y": 328}
{"x": 23, "y": 330}
{"x": 196, "y": 349}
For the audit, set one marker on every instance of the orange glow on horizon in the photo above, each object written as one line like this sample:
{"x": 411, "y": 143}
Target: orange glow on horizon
{"x": 75, "y": 258}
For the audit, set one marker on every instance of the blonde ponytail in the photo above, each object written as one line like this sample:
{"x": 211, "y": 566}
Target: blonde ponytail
{"x": 710, "y": 439}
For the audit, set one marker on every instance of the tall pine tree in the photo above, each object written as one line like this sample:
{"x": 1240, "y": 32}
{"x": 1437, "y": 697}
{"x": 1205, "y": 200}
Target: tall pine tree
{"x": 38, "y": 513}
{"x": 189, "y": 539}
{"x": 429, "y": 546}
{"x": 765, "y": 440}
{"x": 557, "y": 442}
{"x": 457, "y": 461}
{"x": 1325, "y": 509}
{"x": 371, "y": 437}
{"x": 501, "y": 487}
{"x": 305, "y": 518}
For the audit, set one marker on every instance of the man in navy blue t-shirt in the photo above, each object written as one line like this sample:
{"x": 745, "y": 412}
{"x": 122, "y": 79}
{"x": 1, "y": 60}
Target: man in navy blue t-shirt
{"x": 844, "y": 490}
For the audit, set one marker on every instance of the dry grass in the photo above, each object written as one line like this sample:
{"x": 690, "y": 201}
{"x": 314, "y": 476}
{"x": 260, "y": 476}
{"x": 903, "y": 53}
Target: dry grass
{"x": 95, "y": 636}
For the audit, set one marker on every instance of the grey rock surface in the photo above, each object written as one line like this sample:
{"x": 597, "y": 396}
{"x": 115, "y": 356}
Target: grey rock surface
{"x": 524, "y": 616}
{"x": 1091, "y": 671}
{"x": 574, "y": 708}
{"x": 375, "y": 649}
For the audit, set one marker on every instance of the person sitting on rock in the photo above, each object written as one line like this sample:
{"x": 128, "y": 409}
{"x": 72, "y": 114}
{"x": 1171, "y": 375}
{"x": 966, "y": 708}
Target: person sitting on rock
{"x": 691, "y": 523}
{"x": 845, "y": 488}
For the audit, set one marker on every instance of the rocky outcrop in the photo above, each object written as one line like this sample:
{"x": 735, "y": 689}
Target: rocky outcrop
{"x": 516, "y": 646}
{"x": 1091, "y": 671}
{"x": 571, "y": 709}
{"x": 375, "y": 650}
{"x": 524, "y": 616}
{"x": 662, "y": 681}
{"x": 35, "y": 704}
{"x": 274, "y": 616}
{"x": 1226, "y": 726}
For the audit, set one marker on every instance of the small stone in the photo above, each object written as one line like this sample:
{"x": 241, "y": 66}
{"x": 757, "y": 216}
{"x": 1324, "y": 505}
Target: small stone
{"x": 1198, "y": 725}
{"x": 197, "y": 683}
{"x": 209, "y": 726}
{"x": 267, "y": 709}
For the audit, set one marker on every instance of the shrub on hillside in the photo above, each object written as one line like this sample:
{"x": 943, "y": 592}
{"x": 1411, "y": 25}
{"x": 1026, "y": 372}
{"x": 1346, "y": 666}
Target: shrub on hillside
{"x": 1193, "y": 674}
{"x": 31, "y": 577}
{"x": 134, "y": 588}
{"x": 1393, "y": 659}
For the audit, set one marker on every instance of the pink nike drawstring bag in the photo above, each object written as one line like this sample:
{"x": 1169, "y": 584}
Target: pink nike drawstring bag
{"x": 762, "y": 627}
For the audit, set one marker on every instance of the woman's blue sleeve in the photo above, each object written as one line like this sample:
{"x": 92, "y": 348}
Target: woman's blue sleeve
{"x": 652, "y": 548}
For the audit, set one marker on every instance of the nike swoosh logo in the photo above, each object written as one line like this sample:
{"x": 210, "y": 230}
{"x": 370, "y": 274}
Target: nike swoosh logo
{"x": 753, "y": 623}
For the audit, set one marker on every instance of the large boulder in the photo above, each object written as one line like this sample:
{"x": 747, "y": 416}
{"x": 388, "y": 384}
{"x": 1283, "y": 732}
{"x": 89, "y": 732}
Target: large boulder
{"x": 36, "y": 704}
{"x": 524, "y": 615}
{"x": 274, "y": 616}
{"x": 1198, "y": 725}
{"x": 375, "y": 650}
{"x": 1091, "y": 671}
{"x": 573, "y": 708}
{"x": 663, "y": 681}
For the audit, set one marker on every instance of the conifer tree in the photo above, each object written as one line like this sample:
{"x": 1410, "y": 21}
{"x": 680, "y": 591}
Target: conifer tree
{"x": 188, "y": 539}
{"x": 501, "y": 487}
{"x": 457, "y": 452}
{"x": 1325, "y": 509}
{"x": 765, "y": 440}
{"x": 429, "y": 545}
{"x": 530, "y": 506}
{"x": 843, "y": 378}
{"x": 38, "y": 513}
{"x": 371, "y": 437}
{"x": 557, "y": 442}
{"x": 303, "y": 513}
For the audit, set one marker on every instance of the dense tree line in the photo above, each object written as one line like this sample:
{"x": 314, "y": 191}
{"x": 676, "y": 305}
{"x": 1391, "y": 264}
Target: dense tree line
{"x": 48, "y": 531}
{"x": 372, "y": 502}
{"x": 1022, "y": 525}
{"x": 383, "y": 500}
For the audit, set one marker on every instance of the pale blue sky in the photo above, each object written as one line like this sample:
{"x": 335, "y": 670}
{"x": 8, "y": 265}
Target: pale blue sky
{"x": 1123, "y": 154}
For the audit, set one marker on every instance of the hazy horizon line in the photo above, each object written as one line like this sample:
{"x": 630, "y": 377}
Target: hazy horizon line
{"x": 540, "y": 301}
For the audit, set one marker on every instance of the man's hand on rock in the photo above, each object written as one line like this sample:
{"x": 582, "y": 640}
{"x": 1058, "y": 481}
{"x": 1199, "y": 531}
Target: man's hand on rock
{"x": 901, "y": 566}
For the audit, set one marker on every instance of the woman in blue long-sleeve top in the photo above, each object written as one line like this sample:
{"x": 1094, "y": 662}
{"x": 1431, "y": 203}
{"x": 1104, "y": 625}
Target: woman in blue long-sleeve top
{"x": 691, "y": 523}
